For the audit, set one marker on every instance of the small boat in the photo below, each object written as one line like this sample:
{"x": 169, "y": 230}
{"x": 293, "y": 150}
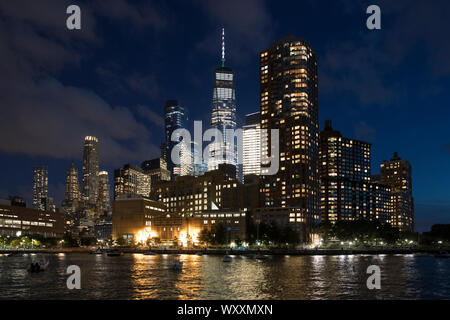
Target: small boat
{"x": 199, "y": 253}
{"x": 149, "y": 253}
{"x": 227, "y": 259}
{"x": 115, "y": 253}
{"x": 261, "y": 257}
{"x": 176, "y": 265}
{"x": 38, "y": 267}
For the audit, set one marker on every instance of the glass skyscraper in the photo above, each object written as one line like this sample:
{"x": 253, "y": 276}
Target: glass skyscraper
{"x": 223, "y": 116}
{"x": 174, "y": 116}
{"x": 251, "y": 145}
{"x": 90, "y": 170}
{"x": 40, "y": 187}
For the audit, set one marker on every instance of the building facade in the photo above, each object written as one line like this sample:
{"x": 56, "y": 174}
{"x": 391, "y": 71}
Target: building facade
{"x": 156, "y": 169}
{"x": 90, "y": 170}
{"x": 289, "y": 103}
{"x": 72, "y": 185}
{"x": 251, "y": 145}
{"x": 40, "y": 187}
{"x": 174, "y": 117}
{"x": 345, "y": 171}
{"x": 397, "y": 174}
{"x": 19, "y": 221}
{"x": 223, "y": 116}
{"x": 104, "y": 200}
{"x": 131, "y": 181}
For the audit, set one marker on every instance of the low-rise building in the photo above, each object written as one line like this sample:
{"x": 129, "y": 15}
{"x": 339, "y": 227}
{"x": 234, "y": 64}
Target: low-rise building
{"x": 19, "y": 221}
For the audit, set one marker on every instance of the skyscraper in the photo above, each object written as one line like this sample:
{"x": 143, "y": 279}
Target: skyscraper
{"x": 397, "y": 173}
{"x": 251, "y": 145}
{"x": 103, "y": 201}
{"x": 289, "y": 103}
{"x": 223, "y": 115}
{"x": 174, "y": 117}
{"x": 344, "y": 167}
{"x": 40, "y": 187}
{"x": 131, "y": 181}
{"x": 72, "y": 186}
{"x": 90, "y": 170}
{"x": 156, "y": 169}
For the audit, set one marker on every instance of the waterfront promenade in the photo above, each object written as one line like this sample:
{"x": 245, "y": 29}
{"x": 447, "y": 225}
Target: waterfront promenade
{"x": 224, "y": 251}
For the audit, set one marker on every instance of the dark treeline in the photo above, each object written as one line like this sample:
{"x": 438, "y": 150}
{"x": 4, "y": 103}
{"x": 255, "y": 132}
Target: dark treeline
{"x": 362, "y": 231}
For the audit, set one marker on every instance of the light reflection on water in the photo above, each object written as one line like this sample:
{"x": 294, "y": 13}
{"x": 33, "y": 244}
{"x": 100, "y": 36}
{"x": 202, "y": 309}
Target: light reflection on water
{"x": 137, "y": 276}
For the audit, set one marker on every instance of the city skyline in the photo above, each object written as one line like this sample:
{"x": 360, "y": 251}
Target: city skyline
{"x": 388, "y": 134}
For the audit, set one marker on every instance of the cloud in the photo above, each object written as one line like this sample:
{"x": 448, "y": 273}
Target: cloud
{"x": 368, "y": 66}
{"x": 113, "y": 78}
{"x": 364, "y": 132}
{"x": 42, "y": 116}
{"x": 140, "y": 15}
{"x": 249, "y": 23}
{"x": 151, "y": 116}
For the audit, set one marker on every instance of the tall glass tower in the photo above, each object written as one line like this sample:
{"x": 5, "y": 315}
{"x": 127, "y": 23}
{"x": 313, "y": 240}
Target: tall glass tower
{"x": 90, "y": 170}
{"x": 223, "y": 115}
{"x": 40, "y": 186}
{"x": 174, "y": 116}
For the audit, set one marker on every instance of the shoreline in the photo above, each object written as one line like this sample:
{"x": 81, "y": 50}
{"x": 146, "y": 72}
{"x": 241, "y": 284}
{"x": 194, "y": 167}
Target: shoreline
{"x": 271, "y": 252}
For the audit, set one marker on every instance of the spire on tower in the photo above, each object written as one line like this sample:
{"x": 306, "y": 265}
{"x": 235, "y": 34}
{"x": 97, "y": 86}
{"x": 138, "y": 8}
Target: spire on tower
{"x": 223, "y": 47}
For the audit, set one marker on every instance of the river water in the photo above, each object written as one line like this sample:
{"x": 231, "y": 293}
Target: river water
{"x": 136, "y": 276}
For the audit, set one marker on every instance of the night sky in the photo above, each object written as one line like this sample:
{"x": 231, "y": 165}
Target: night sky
{"x": 389, "y": 87}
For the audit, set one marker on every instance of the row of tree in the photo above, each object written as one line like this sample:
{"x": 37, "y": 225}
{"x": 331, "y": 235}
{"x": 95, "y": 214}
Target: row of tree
{"x": 363, "y": 231}
{"x": 264, "y": 233}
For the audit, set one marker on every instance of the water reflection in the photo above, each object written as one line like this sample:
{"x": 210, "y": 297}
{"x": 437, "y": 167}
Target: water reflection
{"x": 137, "y": 276}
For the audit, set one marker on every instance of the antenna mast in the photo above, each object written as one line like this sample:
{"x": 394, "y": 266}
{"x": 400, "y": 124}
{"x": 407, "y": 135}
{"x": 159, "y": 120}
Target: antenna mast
{"x": 223, "y": 47}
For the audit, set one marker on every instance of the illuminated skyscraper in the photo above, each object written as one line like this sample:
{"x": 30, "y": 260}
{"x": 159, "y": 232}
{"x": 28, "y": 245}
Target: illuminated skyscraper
{"x": 72, "y": 186}
{"x": 90, "y": 170}
{"x": 131, "y": 181}
{"x": 344, "y": 167}
{"x": 174, "y": 116}
{"x": 156, "y": 169}
{"x": 397, "y": 173}
{"x": 289, "y": 103}
{"x": 251, "y": 145}
{"x": 40, "y": 187}
{"x": 103, "y": 201}
{"x": 223, "y": 115}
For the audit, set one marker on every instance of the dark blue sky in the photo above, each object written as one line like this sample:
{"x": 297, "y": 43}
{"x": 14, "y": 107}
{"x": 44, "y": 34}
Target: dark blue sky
{"x": 389, "y": 87}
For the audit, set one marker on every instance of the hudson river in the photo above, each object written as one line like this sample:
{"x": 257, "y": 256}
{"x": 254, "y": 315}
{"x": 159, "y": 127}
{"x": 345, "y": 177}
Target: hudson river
{"x": 136, "y": 276}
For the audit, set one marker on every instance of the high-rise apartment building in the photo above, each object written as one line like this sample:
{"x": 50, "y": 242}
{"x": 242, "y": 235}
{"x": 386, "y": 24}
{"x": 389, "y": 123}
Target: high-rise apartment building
{"x": 72, "y": 185}
{"x": 289, "y": 103}
{"x": 174, "y": 116}
{"x": 223, "y": 116}
{"x": 103, "y": 201}
{"x": 131, "y": 181}
{"x": 397, "y": 174}
{"x": 40, "y": 187}
{"x": 251, "y": 145}
{"x": 344, "y": 167}
{"x": 90, "y": 170}
{"x": 156, "y": 169}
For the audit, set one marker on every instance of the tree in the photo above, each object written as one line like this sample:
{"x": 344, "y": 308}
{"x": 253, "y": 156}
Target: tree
{"x": 220, "y": 234}
{"x": 289, "y": 236}
{"x": 205, "y": 237}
